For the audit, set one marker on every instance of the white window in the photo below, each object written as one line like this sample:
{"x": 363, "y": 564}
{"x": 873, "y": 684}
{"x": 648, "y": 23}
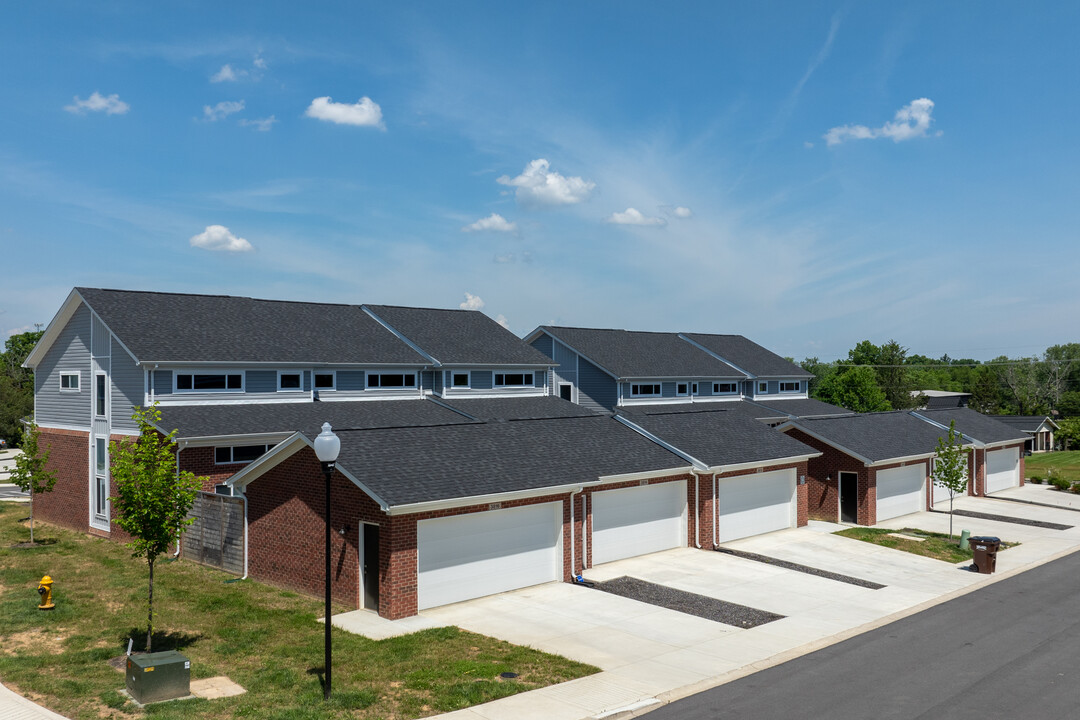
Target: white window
{"x": 682, "y": 389}
{"x": 391, "y": 380}
{"x": 693, "y": 388}
{"x": 514, "y": 379}
{"x": 325, "y": 380}
{"x": 763, "y": 387}
{"x": 239, "y": 453}
{"x": 209, "y": 382}
{"x": 459, "y": 379}
{"x": 725, "y": 388}
{"x": 101, "y": 480}
{"x": 289, "y": 382}
{"x": 788, "y": 387}
{"x": 645, "y": 390}
{"x": 99, "y": 396}
{"x": 69, "y": 382}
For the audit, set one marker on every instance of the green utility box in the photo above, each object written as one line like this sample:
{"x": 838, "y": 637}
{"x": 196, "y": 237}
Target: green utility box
{"x": 158, "y": 676}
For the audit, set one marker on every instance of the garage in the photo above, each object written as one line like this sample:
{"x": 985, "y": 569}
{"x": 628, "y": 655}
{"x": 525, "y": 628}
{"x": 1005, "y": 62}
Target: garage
{"x": 469, "y": 556}
{"x": 1002, "y": 469}
{"x": 939, "y": 493}
{"x": 638, "y": 520}
{"x": 755, "y": 504}
{"x": 900, "y": 491}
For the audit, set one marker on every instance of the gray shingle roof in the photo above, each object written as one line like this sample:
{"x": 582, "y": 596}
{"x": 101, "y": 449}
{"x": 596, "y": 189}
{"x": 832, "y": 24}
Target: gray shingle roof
{"x": 526, "y": 408}
{"x": 1025, "y": 423}
{"x": 799, "y": 407}
{"x": 460, "y": 337}
{"x": 634, "y": 354}
{"x": 172, "y": 327}
{"x": 876, "y": 436}
{"x": 719, "y": 436}
{"x": 467, "y": 460}
{"x": 748, "y": 356}
{"x": 307, "y": 417}
{"x": 983, "y": 428}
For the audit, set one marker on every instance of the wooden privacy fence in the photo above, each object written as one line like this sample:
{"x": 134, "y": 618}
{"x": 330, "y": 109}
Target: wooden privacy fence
{"x": 216, "y": 537}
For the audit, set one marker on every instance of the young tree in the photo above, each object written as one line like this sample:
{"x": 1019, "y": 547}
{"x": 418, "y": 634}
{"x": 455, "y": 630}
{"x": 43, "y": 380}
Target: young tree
{"x": 950, "y": 467}
{"x": 1068, "y": 433}
{"x": 31, "y": 473}
{"x": 152, "y": 499}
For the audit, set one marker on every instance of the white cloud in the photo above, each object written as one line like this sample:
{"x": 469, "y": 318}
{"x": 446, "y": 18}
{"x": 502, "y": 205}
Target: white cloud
{"x": 683, "y": 212}
{"x": 228, "y": 73}
{"x": 111, "y": 105}
{"x": 501, "y": 319}
{"x": 911, "y": 121}
{"x": 493, "y": 222}
{"x": 538, "y": 184}
{"x": 218, "y": 237}
{"x": 366, "y": 112}
{"x": 259, "y": 62}
{"x": 634, "y": 217}
{"x": 472, "y": 302}
{"x": 260, "y": 124}
{"x": 222, "y": 110}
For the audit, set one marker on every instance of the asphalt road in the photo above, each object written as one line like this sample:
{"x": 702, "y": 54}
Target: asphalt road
{"x": 1010, "y": 650}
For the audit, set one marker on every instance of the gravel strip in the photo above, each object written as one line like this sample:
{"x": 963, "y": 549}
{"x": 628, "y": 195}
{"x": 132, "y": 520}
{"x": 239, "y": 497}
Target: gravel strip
{"x": 1007, "y": 519}
{"x": 801, "y": 568}
{"x": 686, "y": 602}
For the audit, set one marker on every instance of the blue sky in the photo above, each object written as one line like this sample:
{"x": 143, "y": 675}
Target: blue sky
{"x": 806, "y": 174}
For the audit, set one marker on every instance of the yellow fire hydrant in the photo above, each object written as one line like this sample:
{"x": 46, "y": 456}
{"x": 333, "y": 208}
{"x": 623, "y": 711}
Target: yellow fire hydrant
{"x": 45, "y": 591}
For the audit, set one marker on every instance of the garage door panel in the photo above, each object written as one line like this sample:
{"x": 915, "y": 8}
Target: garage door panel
{"x": 639, "y": 520}
{"x": 468, "y": 556}
{"x": 754, "y": 504}
{"x": 900, "y": 491}
{"x": 1002, "y": 469}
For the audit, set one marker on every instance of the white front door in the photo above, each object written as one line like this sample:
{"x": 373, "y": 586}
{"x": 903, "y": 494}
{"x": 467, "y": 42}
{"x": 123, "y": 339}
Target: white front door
{"x": 900, "y": 491}
{"x": 1002, "y": 469}
{"x": 469, "y": 556}
{"x": 638, "y": 520}
{"x": 755, "y": 504}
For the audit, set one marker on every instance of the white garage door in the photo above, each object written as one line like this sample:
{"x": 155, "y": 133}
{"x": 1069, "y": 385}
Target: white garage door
{"x": 755, "y": 504}
{"x": 1002, "y": 469}
{"x": 900, "y": 491}
{"x": 639, "y": 520}
{"x": 469, "y": 556}
{"x": 941, "y": 494}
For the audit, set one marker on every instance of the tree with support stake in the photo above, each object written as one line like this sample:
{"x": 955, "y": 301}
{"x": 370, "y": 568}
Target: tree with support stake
{"x": 152, "y": 499}
{"x": 31, "y": 473}
{"x": 950, "y": 467}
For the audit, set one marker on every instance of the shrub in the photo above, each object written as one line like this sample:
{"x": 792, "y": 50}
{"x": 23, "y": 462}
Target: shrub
{"x": 1037, "y": 479}
{"x": 1055, "y": 479}
{"x": 1075, "y": 488}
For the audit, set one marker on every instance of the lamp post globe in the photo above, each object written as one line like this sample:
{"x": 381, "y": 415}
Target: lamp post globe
{"x": 327, "y": 447}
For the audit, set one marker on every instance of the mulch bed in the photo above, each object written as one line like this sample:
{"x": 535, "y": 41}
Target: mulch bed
{"x": 801, "y": 568}
{"x": 690, "y": 603}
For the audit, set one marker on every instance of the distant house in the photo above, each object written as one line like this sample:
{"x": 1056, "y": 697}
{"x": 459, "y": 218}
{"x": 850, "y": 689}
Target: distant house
{"x": 1039, "y": 429}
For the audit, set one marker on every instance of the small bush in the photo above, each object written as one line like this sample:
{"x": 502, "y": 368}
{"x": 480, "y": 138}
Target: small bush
{"x": 1056, "y": 480}
{"x": 1075, "y": 488}
{"x": 1037, "y": 479}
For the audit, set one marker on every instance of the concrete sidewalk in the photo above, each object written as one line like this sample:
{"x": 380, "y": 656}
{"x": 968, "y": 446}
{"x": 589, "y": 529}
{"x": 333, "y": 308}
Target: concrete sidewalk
{"x": 15, "y": 707}
{"x": 650, "y": 656}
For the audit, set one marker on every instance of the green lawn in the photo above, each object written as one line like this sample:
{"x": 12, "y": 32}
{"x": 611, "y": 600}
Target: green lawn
{"x": 936, "y": 545}
{"x": 1066, "y": 463}
{"x": 265, "y": 639}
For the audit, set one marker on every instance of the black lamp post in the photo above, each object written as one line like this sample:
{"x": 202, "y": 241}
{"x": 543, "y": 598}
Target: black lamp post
{"x": 327, "y": 447}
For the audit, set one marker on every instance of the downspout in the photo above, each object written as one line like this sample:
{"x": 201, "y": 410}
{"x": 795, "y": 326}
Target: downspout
{"x": 179, "y": 446}
{"x": 244, "y": 496}
{"x": 715, "y": 512}
{"x": 584, "y": 530}
{"x": 573, "y": 560}
{"x": 697, "y": 513}
{"x": 153, "y": 378}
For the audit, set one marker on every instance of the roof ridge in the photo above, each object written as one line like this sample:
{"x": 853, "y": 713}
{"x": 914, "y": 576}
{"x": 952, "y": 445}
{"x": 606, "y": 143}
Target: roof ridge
{"x": 227, "y": 297}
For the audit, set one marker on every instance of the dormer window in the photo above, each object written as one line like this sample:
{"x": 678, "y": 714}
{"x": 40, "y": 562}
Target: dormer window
{"x": 209, "y": 382}
{"x": 682, "y": 389}
{"x": 645, "y": 390}
{"x": 289, "y": 382}
{"x": 514, "y": 379}
{"x": 790, "y": 387}
{"x": 725, "y": 388}
{"x": 325, "y": 380}
{"x": 460, "y": 380}
{"x": 763, "y": 388}
{"x": 389, "y": 381}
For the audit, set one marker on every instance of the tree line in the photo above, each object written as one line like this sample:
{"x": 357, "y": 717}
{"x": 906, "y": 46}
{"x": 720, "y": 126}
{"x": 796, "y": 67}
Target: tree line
{"x": 16, "y": 385}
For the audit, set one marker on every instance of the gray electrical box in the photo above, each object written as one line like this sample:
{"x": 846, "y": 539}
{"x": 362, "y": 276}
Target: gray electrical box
{"x": 158, "y": 676}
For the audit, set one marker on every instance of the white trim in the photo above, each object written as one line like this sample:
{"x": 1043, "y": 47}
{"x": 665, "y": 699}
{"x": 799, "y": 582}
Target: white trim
{"x": 298, "y": 373}
{"x": 529, "y": 383}
{"x": 77, "y": 374}
{"x": 684, "y": 393}
{"x": 58, "y": 426}
{"x": 634, "y": 394}
{"x": 487, "y": 394}
{"x": 267, "y": 447}
{"x": 360, "y": 557}
{"x": 717, "y": 393}
{"x": 449, "y": 503}
{"x": 201, "y": 391}
{"x": 907, "y": 459}
{"x": 104, "y": 400}
{"x": 780, "y": 387}
{"x": 453, "y": 386}
{"x": 757, "y": 387}
{"x": 736, "y": 467}
{"x": 395, "y": 388}
{"x": 315, "y": 372}
{"x": 647, "y": 475}
{"x": 216, "y": 440}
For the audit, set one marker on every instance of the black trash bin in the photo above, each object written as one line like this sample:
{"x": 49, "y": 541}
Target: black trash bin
{"x": 984, "y": 549}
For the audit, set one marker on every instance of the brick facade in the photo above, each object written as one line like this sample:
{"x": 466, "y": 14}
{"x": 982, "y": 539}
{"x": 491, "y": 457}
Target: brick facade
{"x": 200, "y": 461}
{"x": 705, "y": 506}
{"x": 68, "y": 504}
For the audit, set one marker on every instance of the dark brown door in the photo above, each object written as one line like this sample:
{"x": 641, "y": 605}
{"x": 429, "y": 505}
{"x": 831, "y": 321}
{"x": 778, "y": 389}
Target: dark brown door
{"x": 369, "y": 563}
{"x": 849, "y": 497}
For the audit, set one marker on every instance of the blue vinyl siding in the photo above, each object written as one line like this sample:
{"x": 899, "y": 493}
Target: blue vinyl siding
{"x": 127, "y": 389}
{"x": 162, "y": 381}
{"x": 596, "y": 390}
{"x": 437, "y": 382}
{"x": 350, "y": 380}
{"x": 543, "y": 344}
{"x": 70, "y": 352}
{"x": 667, "y": 390}
{"x": 307, "y": 381}
{"x": 539, "y": 378}
{"x": 427, "y": 379}
{"x": 261, "y": 381}
{"x": 481, "y": 380}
